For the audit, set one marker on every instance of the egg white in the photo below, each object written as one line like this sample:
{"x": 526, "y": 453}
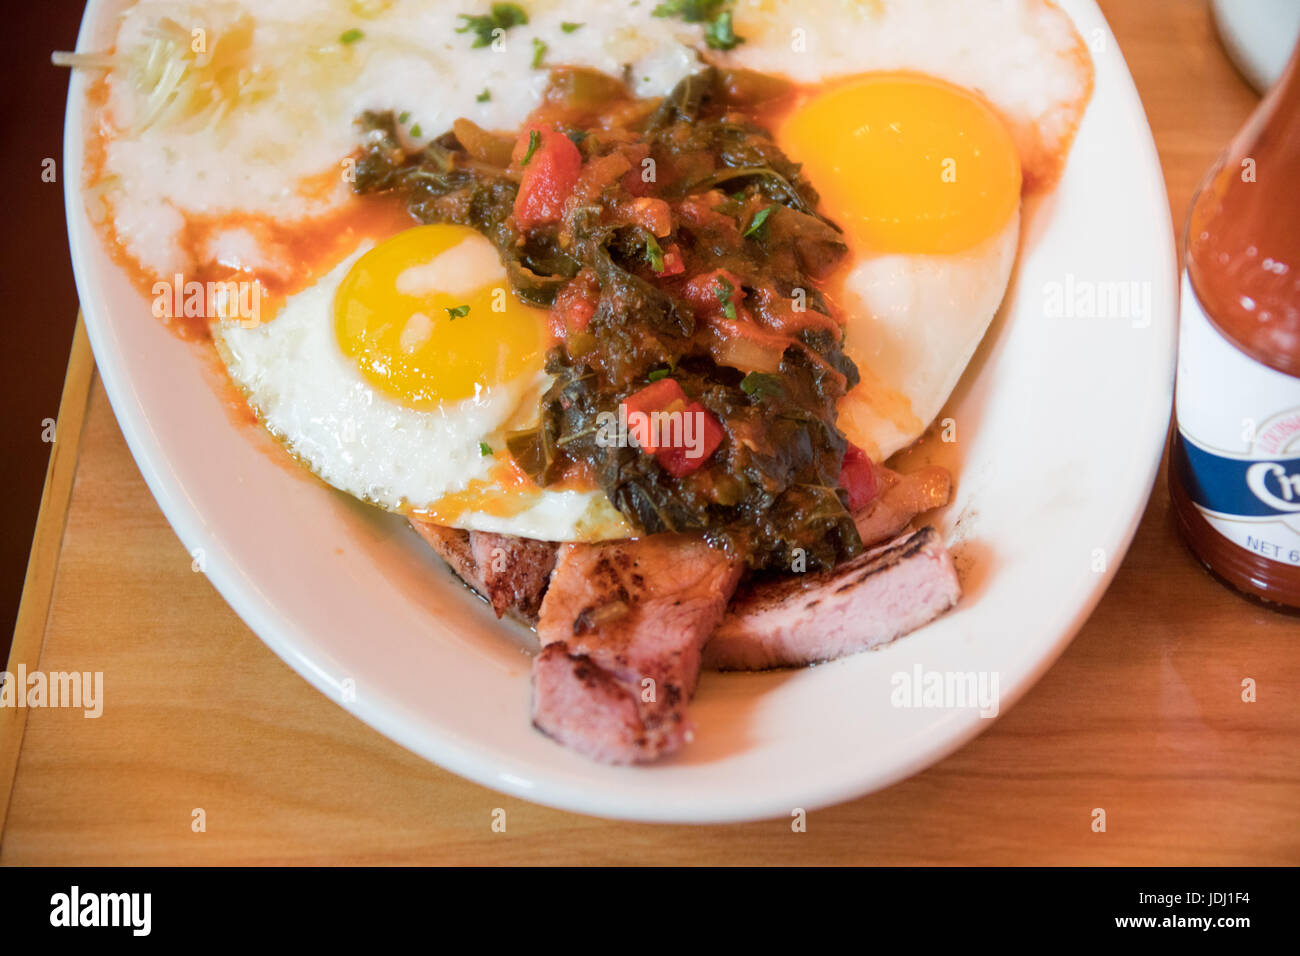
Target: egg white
{"x": 363, "y": 442}
{"x": 912, "y": 323}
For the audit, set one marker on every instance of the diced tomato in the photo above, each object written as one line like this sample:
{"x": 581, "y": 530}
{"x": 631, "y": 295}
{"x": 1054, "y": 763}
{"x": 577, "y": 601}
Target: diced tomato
{"x": 658, "y": 396}
{"x": 634, "y": 180}
{"x": 858, "y": 478}
{"x": 677, "y": 457}
{"x": 682, "y": 460}
{"x": 549, "y": 176}
{"x": 634, "y": 184}
{"x": 599, "y": 174}
{"x": 674, "y": 265}
{"x": 710, "y": 291}
{"x": 575, "y": 305}
{"x": 653, "y": 215}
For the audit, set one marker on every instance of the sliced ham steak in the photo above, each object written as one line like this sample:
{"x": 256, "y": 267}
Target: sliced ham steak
{"x": 510, "y": 573}
{"x": 870, "y": 601}
{"x": 622, "y": 625}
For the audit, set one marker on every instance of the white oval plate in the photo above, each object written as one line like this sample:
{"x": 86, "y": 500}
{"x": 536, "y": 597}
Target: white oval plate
{"x": 1060, "y": 423}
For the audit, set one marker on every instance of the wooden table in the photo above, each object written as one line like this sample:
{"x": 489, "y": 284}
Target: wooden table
{"x": 1142, "y": 716}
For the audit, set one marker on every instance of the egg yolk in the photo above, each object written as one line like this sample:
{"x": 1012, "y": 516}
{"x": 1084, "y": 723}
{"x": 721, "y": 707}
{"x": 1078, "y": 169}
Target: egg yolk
{"x": 428, "y": 317}
{"x": 906, "y": 163}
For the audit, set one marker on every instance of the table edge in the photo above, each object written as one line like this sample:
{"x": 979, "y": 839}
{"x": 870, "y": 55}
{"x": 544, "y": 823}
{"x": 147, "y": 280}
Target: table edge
{"x": 47, "y": 543}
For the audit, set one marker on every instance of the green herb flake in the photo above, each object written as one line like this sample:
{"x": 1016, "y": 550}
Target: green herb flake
{"x": 534, "y": 140}
{"x": 459, "y": 312}
{"x": 350, "y": 36}
{"x": 692, "y": 11}
{"x": 761, "y": 385}
{"x": 721, "y": 35}
{"x": 485, "y": 96}
{"x": 484, "y": 449}
{"x": 576, "y": 136}
{"x": 404, "y": 117}
{"x": 503, "y": 16}
{"x": 571, "y": 27}
{"x": 539, "y": 53}
{"x": 416, "y": 132}
{"x": 659, "y": 373}
{"x": 724, "y": 290}
{"x": 654, "y": 253}
{"x": 756, "y": 225}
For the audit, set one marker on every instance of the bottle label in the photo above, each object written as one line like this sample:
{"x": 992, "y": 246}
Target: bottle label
{"x": 1237, "y": 447}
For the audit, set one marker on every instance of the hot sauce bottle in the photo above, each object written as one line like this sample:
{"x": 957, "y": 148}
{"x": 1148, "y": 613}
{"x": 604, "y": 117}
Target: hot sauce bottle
{"x": 1234, "y": 472}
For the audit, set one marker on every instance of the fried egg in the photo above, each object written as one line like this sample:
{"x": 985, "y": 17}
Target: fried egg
{"x": 925, "y": 180}
{"x": 396, "y": 376}
{"x": 927, "y": 120}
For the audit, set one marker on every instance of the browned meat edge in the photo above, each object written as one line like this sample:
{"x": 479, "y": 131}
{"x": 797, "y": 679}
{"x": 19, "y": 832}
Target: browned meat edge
{"x": 510, "y": 573}
{"x": 868, "y": 602}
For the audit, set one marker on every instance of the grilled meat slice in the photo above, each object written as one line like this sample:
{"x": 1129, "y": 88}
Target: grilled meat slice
{"x": 870, "y": 601}
{"x": 510, "y": 573}
{"x": 452, "y": 545}
{"x": 515, "y": 571}
{"x": 622, "y": 625}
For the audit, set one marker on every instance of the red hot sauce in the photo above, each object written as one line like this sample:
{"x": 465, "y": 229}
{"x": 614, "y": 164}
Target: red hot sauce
{"x": 1234, "y": 472}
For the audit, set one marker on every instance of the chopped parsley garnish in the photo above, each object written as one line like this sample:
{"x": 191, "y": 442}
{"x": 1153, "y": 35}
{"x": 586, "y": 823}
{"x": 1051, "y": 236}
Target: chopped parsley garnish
{"x": 720, "y": 34}
{"x": 534, "y": 140}
{"x": 404, "y": 117}
{"x": 659, "y": 373}
{"x": 756, "y": 224}
{"x": 724, "y": 290}
{"x": 350, "y": 36}
{"x": 503, "y": 16}
{"x": 485, "y": 96}
{"x": 416, "y": 132}
{"x": 539, "y": 52}
{"x": 571, "y": 27}
{"x": 761, "y": 385}
{"x": 692, "y": 11}
{"x": 484, "y": 449}
{"x": 576, "y": 136}
{"x": 655, "y": 253}
{"x": 459, "y": 312}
